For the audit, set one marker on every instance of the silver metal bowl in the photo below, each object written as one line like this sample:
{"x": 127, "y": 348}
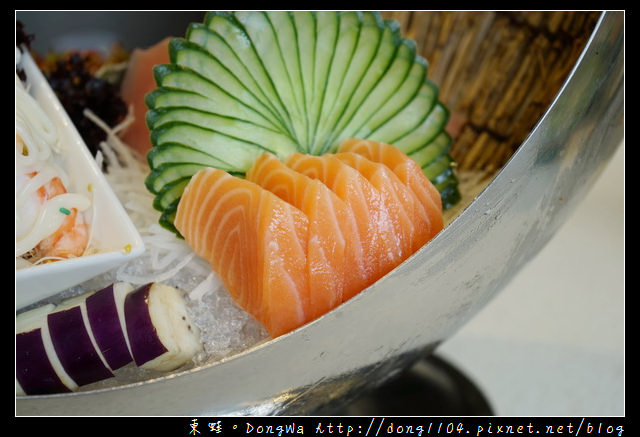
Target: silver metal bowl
{"x": 409, "y": 312}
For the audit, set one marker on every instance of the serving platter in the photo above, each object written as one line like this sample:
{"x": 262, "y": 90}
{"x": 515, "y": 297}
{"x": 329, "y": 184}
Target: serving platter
{"x": 420, "y": 304}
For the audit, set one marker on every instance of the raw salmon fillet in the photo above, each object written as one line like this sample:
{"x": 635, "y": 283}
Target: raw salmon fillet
{"x": 407, "y": 215}
{"x": 137, "y": 81}
{"x": 375, "y": 227}
{"x": 407, "y": 170}
{"x": 333, "y": 249}
{"x": 254, "y": 240}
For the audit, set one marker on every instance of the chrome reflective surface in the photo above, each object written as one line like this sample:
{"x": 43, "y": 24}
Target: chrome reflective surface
{"x": 386, "y": 328}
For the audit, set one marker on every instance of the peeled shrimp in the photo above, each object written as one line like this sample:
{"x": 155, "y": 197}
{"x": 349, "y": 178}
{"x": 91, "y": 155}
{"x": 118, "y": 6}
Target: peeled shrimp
{"x": 48, "y": 222}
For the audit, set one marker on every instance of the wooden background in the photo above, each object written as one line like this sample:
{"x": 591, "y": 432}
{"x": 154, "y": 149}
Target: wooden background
{"x": 497, "y": 72}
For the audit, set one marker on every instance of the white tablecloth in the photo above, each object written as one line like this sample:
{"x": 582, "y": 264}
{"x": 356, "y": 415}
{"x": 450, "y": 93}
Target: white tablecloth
{"x": 552, "y": 342}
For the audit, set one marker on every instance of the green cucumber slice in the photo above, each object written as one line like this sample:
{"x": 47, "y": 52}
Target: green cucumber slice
{"x": 439, "y": 170}
{"x": 347, "y": 39}
{"x": 237, "y": 154}
{"x": 232, "y": 32}
{"x": 161, "y": 98}
{"x": 369, "y": 38}
{"x": 433, "y": 124}
{"x": 175, "y": 77}
{"x": 170, "y": 172}
{"x": 409, "y": 117}
{"x": 430, "y": 152}
{"x": 193, "y": 57}
{"x": 402, "y": 71}
{"x": 402, "y": 97}
{"x": 379, "y": 66}
{"x": 170, "y": 193}
{"x": 168, "y": 216}
{"x": 264, "y": 39}
{"x": 177, "y": 153}
{"x": 276, "y": 142}
{"x": 327, "y": 30}
{"x": 449, "y": 192}
{"x": 286, "y": 36}
{"x": 219, "y": 48}
{"x": 305, "y": 24}
{"x": 438, "y": 166}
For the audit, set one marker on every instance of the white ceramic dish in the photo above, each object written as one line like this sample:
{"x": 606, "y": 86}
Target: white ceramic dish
{"x": 113, "y": 233}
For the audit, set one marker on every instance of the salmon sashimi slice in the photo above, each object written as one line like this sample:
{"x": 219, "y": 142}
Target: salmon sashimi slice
{"x": 136, "y": 83}
{"x": 254, "y": 240}
{"x": 333, "y": 249}
{"x": 407, "y": 170}
{"x": 411, "y": 224}
{"x": 375, "y": 228}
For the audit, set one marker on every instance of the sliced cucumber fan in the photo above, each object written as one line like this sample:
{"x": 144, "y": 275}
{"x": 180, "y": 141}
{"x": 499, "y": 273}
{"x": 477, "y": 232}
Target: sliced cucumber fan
{"x": 243, "y": 83}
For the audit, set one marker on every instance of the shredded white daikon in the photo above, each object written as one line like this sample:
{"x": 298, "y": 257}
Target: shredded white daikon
{"x": 166, "y": 255}
{"x": 210, "y": 284}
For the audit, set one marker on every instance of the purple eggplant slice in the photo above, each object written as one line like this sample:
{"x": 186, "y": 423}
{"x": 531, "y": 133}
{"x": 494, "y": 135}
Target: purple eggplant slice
{"x": 34, "y": 372}
{"x": 74, "y": 347}
{"x": 160, "y": 331}
{"x": 106, "y": 325}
